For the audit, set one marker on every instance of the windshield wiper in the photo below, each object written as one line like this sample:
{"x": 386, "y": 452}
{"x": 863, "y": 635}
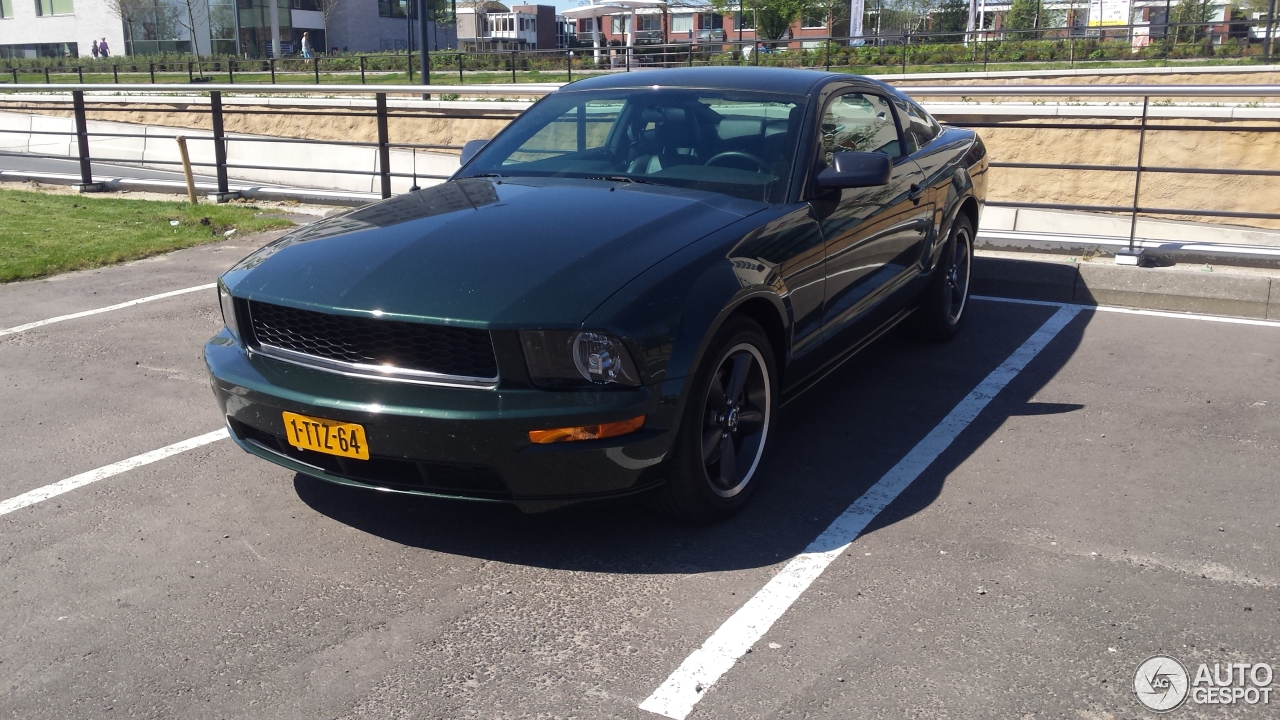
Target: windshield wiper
{"x": 622, "y": 178}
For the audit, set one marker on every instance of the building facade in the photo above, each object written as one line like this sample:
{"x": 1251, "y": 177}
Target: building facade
{"x": 494, "y": 26}
{"x": 64, "y": 28}
{"x": 56, "y": 28}
{"x": 698, "y": 25}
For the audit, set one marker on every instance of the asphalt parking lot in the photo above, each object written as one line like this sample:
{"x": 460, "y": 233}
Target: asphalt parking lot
{"x": 1115, "y": 500}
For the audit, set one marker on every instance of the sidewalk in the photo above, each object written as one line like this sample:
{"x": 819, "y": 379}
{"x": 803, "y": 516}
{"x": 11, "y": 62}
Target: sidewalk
{"x": 1190, "y": 287}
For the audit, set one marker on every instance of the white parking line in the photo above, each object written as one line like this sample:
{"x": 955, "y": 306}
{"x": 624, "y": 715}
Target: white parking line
{"x": 41, "y": 494}
{"x": 676, "y": 696}
{"x": 1134, "y": 311}
{"x": 109, "y": 308}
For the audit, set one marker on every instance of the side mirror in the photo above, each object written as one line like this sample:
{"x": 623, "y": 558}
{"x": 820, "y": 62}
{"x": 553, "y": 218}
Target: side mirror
{"x": 855, "y": 170}
{"x": 469, "y": 150}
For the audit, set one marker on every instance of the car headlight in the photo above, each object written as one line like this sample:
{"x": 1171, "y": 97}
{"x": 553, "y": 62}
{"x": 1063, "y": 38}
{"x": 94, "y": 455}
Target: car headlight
{"x": 572, "y": 358}
{"x": 228, "y": 310}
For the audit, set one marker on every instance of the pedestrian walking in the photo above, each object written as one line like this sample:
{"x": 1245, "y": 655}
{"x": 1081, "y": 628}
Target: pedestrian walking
{"x": 93, "y": 45}
{"x": 306, "y": 46}
{"x": 102, "y": 48}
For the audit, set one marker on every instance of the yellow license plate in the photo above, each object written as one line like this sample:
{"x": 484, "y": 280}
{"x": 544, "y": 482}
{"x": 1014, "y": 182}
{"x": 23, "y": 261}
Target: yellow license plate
{"x": 326, "y": 436}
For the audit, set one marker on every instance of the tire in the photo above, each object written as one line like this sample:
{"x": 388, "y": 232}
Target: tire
{"x": 700, "y": 486}
{"x": 946, "y": 297}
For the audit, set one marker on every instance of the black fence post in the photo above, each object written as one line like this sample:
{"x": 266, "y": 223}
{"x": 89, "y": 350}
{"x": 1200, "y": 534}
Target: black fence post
{"x": 46, "y": 76}
{"x": 115, "y": 74}
{"x": 271, "y": 63}
{"x": 191, "y": 76}
{"x": 15, "y": 75}
{"x": 315, "y": 65}
{"x": 986, "y": 53}
{"x": 1137, "y": 176}
{"x": 513, "y": 67}
{"x": 409, "y": 60}
{"x": 460, "y": 80}
{"x": 231, "y": 72}
{"x": 82, "y": 140}
{"x": 1267, "y": 41}
{"x": 361, "y": 70}
{"x": 626, "y": 57}
{"x": 80, "y": 73}
{"x": 568, "y": 63}
{"x": 153, "y": 73}
{"x": 384, "y": 147}
{"x": 219, "y": 146}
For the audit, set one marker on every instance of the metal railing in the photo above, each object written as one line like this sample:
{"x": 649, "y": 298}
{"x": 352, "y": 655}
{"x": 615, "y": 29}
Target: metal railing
{"x": 381, "y": 113}
{"x": 1120, "y": 45}
{"x": 1141, "y": 127}
{"x": 1154, "y": 115}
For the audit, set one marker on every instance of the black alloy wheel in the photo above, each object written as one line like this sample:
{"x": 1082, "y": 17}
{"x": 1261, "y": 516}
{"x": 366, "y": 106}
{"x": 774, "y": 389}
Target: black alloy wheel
{"x": 735, "y": 420}
{"x": 958, "y": 272}
{"x": 725, "y": 428}
{"x": 945, "y": 298}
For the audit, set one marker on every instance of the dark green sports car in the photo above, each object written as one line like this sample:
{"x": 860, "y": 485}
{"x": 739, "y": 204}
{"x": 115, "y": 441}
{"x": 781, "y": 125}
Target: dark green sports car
{"x": 612, "y": 296}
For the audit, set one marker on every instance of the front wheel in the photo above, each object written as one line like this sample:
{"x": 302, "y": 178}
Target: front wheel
{"x": 726, "y": 424}
{"x": 945, "y": 299}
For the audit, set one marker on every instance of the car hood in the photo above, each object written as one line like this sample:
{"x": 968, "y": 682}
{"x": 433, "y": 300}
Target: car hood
{"x": 485, "y": 252}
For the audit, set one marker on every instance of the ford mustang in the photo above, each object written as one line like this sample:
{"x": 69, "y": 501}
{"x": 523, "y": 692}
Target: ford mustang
{"x": 612, "y": 296}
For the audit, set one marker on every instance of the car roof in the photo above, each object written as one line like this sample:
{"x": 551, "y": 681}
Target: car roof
{"x": 790, "y": 81}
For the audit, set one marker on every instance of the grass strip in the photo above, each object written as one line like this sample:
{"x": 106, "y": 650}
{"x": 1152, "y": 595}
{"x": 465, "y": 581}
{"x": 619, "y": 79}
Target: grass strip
{"x": 44, "y": 234}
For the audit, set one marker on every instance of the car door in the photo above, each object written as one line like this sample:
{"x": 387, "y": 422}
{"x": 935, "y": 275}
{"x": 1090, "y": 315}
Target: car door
{"x": 934, "y": 156}
{"x": 873, "y": 235}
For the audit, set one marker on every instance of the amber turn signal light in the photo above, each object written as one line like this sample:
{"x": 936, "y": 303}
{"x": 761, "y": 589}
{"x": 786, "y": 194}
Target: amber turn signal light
{"x": 586, "y": 432}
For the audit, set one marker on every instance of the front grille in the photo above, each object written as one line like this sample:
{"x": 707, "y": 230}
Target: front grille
{"x": 413, "y": 347}
{"x": 471, "y": 481}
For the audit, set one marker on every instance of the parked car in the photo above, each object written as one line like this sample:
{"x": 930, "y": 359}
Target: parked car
{"x": 612, "y": 296}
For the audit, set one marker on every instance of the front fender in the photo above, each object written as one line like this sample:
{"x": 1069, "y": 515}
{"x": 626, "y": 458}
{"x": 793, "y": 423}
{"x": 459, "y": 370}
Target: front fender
{"x": 960, "y": 188}
{"x": 670, "y": 312}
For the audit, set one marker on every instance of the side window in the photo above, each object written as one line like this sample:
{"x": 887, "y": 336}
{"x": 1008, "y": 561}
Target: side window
{"x": 916, "y": 123}
{"x": 858, "y": 122}
{"x": 583, "y": 127}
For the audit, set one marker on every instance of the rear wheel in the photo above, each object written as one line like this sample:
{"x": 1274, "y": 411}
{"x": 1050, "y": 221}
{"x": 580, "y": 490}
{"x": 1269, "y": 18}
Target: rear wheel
{"x": 943, "y": 303}
{"x": 726, "y": 424}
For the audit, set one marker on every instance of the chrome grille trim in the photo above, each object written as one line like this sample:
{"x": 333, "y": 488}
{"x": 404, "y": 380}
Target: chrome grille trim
{"x": 375, "y": 372}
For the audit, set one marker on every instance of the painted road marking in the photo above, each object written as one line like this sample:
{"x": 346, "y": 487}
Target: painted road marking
{"x": 676, "y": 696}
{"x": 1133, "y": 311}
{"x": 109, "y": 308}
{"x": 41, "y": 494}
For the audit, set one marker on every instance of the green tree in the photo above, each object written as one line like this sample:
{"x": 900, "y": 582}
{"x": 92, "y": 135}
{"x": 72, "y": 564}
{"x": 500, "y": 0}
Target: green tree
{"x": 1192, "y": 13}
{"x": 1024, "y": 15}
{"x": 773, "y": 17}
{"x": 951, "y": 16}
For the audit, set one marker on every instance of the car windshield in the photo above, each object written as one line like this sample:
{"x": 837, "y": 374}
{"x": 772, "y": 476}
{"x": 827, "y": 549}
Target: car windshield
{"x": 737, "y": 143}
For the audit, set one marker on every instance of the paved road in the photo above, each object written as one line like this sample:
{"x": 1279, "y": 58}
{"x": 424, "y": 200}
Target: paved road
{"x": 72, "y": 167}
{"x": 1116, "y": 500}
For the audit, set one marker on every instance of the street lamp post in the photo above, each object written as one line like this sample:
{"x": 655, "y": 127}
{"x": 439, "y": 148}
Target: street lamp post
{"x": 1271, "y": 29}
{"x": 424, "y": 39}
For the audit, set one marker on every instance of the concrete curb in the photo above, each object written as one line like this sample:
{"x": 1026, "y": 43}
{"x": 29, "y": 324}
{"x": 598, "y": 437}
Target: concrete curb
{"x": 1239, "y": 292}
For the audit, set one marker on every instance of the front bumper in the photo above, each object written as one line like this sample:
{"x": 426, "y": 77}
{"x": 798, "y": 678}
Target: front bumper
{"x": 447, "y": 441}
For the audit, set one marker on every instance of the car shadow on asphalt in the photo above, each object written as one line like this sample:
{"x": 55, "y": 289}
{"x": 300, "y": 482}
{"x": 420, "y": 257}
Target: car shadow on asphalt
{"x": 832, "y": 444}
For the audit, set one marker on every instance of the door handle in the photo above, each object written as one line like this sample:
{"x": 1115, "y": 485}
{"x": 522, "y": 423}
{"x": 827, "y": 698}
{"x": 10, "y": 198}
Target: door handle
{"x": 916, "y": 192}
